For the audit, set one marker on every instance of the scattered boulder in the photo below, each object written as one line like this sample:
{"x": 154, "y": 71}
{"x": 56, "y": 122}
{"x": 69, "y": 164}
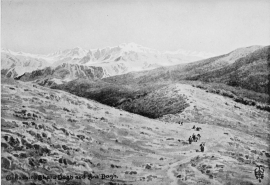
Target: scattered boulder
{"x": 72, "y": 120}
{"x": 42, "y": 160}
{"x": 41, "y": 149}
{"x": 148, "y": 167}
{"x": 5, "y": 145}
{"x": 65, "y": 147}
{"x": 6, "y": 163}
{"x": 64, "y": 131}
{"x": 220, "y": 165}
{"x": 267, "y": 154}
{"x": 23, "y": 155}
{"x": 44, "y": 135}
{"x": 14, "y": 142}
{"x": 241, "y": 159}
{"x": 65, "y": 109}
{"x": 82, "y": 137}
{"x": 132, "y": 172}
{"x": 32, "y": 162}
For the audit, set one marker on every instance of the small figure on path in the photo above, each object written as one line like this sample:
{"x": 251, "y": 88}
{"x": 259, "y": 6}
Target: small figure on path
{"x": 202, "y": 148}
{"x": 198, "y": 128}
{"x": 190, "y": 140}
{"x": 196, "y": 139}
{"x": 202, "y": 145}
{"x": 193, "y": 137}
{"x": 199, "y": 136}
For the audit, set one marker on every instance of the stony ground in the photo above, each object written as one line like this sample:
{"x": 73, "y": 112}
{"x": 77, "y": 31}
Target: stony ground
{"x": 48, "y": 132}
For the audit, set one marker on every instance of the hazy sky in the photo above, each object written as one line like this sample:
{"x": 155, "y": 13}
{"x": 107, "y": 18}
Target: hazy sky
{"x": 44, "y": 26}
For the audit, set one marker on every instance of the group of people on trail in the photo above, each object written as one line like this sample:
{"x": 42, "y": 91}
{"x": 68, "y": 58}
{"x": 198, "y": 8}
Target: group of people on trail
{"x": 194, "y": 138}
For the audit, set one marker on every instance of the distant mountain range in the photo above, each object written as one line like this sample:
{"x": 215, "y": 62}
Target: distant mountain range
{"x": 70, "y": 64}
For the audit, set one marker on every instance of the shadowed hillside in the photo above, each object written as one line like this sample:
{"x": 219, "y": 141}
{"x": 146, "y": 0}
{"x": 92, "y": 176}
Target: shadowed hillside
{"x": 150, "y": 100}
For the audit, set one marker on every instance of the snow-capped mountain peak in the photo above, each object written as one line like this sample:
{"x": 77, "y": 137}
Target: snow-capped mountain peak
{"x": 113, "y": 60}
{"x": 133, "y": 47}
{"x": 74, "y": 52}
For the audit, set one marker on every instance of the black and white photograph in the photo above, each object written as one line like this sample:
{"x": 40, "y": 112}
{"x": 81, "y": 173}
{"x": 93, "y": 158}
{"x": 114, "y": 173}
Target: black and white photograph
{"x": 135, "y": 92}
